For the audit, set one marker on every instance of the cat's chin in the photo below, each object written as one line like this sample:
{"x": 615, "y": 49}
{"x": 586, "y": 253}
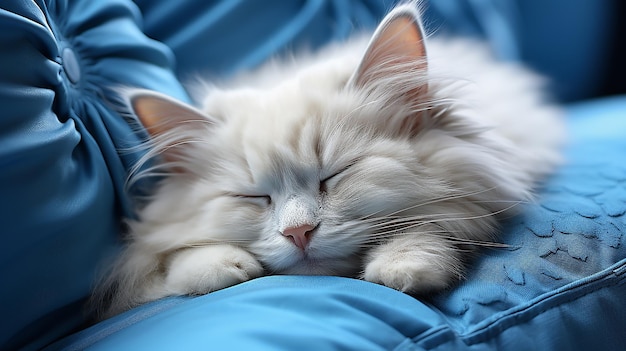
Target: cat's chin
{"x": 307, "y": 266}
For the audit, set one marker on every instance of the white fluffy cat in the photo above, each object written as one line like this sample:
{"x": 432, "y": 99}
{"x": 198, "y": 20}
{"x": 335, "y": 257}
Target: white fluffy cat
{"x": 388, "y": 160}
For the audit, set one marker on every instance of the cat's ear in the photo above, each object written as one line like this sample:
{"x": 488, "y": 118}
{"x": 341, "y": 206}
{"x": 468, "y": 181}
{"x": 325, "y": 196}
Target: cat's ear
{"x": 172, "y": 125}
{"x": 397, "y": 47}
{"x": 394, "y": 68}
{"x": 159, "y": 113}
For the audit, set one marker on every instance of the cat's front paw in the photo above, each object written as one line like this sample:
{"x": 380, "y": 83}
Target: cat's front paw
{"x": 197, "y": 271}
{"x": 411, "y": 273}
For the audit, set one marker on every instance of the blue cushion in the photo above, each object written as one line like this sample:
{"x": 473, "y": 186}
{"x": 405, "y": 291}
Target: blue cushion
{"x": 542, "y": 34}
{"x": 219, "y": 37}
{"x": 62, "y": 178}
{"x": 559, "y": 286}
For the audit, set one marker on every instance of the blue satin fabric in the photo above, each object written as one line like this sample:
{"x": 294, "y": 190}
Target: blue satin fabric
{"x": 331, "y": 313}
{"x": 62, "y": 164}
{"x": 271, "y": 313}
{"x": 217, "y": 38}
{"x": 568, "y": 41}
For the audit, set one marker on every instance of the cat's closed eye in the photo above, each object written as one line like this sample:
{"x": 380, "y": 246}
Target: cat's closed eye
{"x": 332, "y": 179}
{"x": 262, "y": 200}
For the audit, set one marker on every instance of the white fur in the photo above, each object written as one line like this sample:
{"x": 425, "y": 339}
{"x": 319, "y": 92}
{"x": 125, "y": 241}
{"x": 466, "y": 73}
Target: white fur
{"x": 296, "y": 145}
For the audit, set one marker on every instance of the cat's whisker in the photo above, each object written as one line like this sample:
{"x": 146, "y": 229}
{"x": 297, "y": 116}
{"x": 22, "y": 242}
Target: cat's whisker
{"x": 374, "y": 238}
{"x": 360, "y": 107}
{"x": 219, "y": 242}
{"x": 434, "y": 201}
{"x": 466, "y": 218}
{"x": 401, "y": 226}
{"x": 391, "y": 221}
{"x": 444, "y": 235}
{"x": 444, "y": 104}
{"x": 408, "y": 222}
{"x": 156, "y": 147}
{"x": 401, "y": 219}
{"x": 447, "y": 198}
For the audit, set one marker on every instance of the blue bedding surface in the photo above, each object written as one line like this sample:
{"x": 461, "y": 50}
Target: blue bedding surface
{"x": 558, "y": 286}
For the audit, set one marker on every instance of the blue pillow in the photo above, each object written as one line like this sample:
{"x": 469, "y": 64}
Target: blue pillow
{"x": 61, "y": 176}
{"x": 543, "y": 34}
{"x": 220, "y": 37}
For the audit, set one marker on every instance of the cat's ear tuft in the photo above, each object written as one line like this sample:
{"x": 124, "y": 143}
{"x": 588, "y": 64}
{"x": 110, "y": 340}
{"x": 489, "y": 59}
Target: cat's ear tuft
{"x": 394, "y": 68}
{"x": 396, "y": 47}
{"x": 173, "y": 126}
{"x": 159, "y": 113}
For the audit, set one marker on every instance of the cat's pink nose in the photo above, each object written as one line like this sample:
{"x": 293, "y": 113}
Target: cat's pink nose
{"x": 299, "y": 234}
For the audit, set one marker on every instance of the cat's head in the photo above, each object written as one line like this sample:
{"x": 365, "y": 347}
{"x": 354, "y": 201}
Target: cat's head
{"x": 310, "y": 173}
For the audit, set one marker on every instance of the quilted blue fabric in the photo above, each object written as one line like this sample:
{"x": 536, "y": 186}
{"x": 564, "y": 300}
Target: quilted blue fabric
{"x": 559, "y": 286}
{"x": 65, "y": 154}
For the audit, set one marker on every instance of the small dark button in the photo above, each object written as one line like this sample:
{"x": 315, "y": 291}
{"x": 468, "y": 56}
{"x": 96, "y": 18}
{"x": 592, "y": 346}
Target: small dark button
{"x": 70, "y": 65}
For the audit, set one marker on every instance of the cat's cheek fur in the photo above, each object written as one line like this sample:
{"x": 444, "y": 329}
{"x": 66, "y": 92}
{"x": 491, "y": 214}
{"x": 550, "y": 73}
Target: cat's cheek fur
{"x": 204, "y": 269}
{"x": 379, "y": 185}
